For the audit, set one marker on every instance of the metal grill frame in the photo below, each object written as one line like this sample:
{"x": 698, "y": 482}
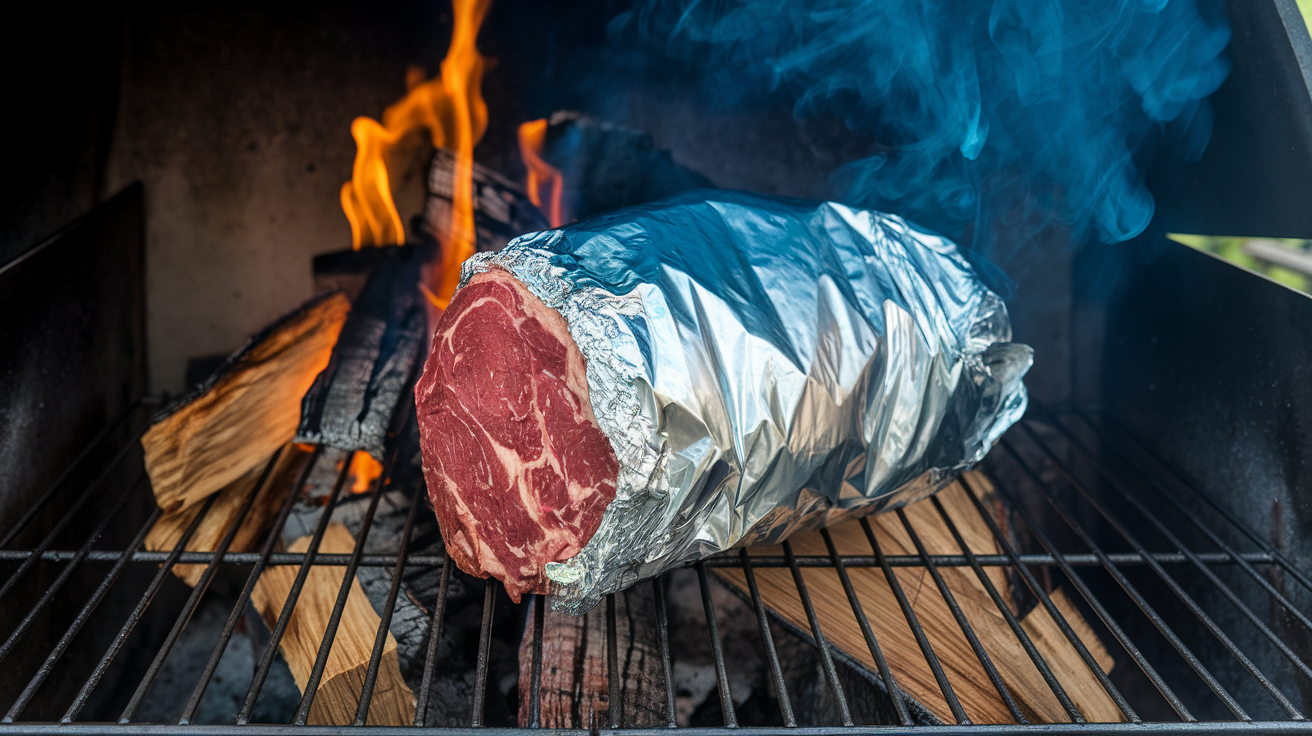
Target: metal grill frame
{"x": 1062, "y": 430}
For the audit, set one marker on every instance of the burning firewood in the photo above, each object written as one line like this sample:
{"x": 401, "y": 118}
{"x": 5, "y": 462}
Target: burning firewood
{"x": 967, "y": 677}
{"x": 246, "y": 411}
{"x": 338, "y": 696}
{"x": 170, "y": 527}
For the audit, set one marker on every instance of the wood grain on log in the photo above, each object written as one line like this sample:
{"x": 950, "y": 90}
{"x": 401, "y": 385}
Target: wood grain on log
{"x": 238, "y": 419}
{"x": 575, "y": 671}
{"x": 339, "y": 690}
{"x": 170, "y": 527}
{"x": 967, "y": 677}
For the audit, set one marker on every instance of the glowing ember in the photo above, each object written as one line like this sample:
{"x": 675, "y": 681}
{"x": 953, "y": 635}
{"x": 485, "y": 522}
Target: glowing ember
{"x": 532, "y": 139}
{"x": 364, "y": 471}
{"x": 451, "y": 107}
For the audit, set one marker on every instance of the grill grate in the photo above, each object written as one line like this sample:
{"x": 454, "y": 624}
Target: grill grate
{"x": 1184, "y": 611}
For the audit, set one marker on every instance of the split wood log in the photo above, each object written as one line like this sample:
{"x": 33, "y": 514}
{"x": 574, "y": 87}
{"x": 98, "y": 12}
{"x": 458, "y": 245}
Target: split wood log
{"x": 575, "y": 668}
{"x": 170, "y": 527}
{"x": 964, "y": 671}
{"x": 338, "y": 696}
{"x": 250, "y": 408}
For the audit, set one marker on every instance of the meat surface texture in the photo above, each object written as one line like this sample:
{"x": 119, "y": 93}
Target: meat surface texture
{"x": 517, "y": 468}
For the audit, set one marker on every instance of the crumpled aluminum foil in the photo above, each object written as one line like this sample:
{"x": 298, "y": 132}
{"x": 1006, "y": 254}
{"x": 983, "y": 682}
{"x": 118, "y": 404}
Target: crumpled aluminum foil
{"x": 766, "y": 366}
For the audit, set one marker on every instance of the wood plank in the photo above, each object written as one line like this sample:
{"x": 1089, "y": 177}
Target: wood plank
{"x": 339, "y": 690}
{"x": 575, "y": 668}
{"x": 964, "y": 672}
{"x": 236, "y": 420}
{"x": 170, "y": 527}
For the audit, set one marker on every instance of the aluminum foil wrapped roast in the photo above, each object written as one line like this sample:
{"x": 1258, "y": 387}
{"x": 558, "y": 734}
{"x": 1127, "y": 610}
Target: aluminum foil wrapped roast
{"x": 609, "y": 400}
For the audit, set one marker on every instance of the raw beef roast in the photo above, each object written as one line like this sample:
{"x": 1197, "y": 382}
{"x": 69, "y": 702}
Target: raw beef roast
{"x": 517, "y": 469}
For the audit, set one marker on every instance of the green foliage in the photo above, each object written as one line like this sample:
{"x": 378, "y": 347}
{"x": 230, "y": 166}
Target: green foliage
{"x": 1232, "y": 248}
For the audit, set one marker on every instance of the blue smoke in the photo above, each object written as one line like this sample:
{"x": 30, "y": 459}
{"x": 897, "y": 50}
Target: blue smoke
{"x": 989, "y": 117}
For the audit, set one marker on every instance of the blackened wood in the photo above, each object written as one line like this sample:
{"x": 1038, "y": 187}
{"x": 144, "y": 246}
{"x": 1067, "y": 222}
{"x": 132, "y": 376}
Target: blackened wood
{"x": 502, "y": 209}
{"x": 606, "y": 167}
{"x": 351, "y": 403}
{"x": 575, "y": 670}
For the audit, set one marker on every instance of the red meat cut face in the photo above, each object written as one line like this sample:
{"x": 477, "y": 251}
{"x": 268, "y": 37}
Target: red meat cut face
{"x": 517, "y": 468}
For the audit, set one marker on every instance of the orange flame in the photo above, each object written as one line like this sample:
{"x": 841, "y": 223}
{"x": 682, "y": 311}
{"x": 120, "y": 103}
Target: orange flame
{"x": 532, "y": 139}
{"x": 365, "y": 470}
{"x": 451, "y": 107}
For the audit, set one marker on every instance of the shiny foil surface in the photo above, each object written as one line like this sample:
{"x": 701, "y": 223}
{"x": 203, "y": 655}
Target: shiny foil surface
{"x": 766, "y": 366}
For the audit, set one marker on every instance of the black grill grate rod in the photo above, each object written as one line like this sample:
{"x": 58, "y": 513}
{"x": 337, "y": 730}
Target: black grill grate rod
{"x": 70, "y": 514}
{"x": 821, "y": 644}
{"x": 239, "y": 608}
{"x": 663, "y": 642}
{"x": 69, "y": 569}
{"x": 434, "y": 638}
{"x": 1175, "y": 587}
{"x": 80, "y": 701}
{"x": 990, "y": 670}
{"x": 713, "y": 630}
{"x": 1203, "y": 569}
{"x": 1149, "y": 671}
{"x": 484, "y": 653}
{"x": 936, "y": 667}
{"x": 1279, "y": 558}
{"x": 1167, "y": 496}
{"x": 535, "y": 673}
{"x": 1039, "y": 662}
{"x": 385, "y": 621}
{"x": 285, "y": 615}
{"x": 74, "y": 628}
{"x": 767, "y": 642}
{"x": 1134, "y": 594}
{"x": 197, "y": 593}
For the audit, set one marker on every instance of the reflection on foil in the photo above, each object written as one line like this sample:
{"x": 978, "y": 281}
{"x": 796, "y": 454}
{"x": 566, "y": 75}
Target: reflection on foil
{"x": 763, "y": 367}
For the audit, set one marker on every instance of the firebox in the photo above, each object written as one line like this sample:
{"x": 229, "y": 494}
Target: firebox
{"x": 1134, "y": 555}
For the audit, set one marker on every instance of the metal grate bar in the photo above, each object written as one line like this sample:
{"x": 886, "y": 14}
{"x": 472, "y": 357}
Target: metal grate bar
{"x": 614, "y": 694}
{"x": 343, "y": 592}
{"x": 1039, "y": 662}
{"x": 285, "y": 615}
{"x": 771, "y": 561}
{"x": 721, "y": 674}
{"x": 826, "y": 658}
{"x": 69, "y": 569}
{"x": 1093, "y": 602}
{"x": 663, "y": 640}
{"x": 1136, "y": 597}
{"x": 484, "y": 651}
{"x": 80, "y": 701}
{"x": 894, "y": 692}
{"x": 197, "y": 593}
{"x": 1257, "y": 577}
{"x": 69, "y": 515}
{"x": 239, "y": 608}
{"x": 990, "y": 670}
{"x": 1176, "y": 588}
{"x": 767, "y": 641}
{"x": 1046, "y": 600}
{"x": 936, "y": 667}
{"x": 74, "y": 628}
{"x": 1276, "y": 556}
{"x": 1203, "y": 569}
{"x": 434, "y": 638}
{"x": 49, "y": 493}
{"x": 389, "y": 608}
{"x": 535, "y": 675}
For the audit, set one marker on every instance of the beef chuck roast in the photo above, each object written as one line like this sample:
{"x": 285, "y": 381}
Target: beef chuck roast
{"x": 517, "y": 468}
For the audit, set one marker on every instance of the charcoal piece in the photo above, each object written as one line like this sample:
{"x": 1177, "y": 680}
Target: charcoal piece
{"x": 606, "y": 167}
{"x": 502, "y": 210}
{"x": 351, "y": 403}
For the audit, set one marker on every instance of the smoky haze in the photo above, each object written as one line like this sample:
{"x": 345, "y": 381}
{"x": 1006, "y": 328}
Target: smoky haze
{"x": 990, "y": 121}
